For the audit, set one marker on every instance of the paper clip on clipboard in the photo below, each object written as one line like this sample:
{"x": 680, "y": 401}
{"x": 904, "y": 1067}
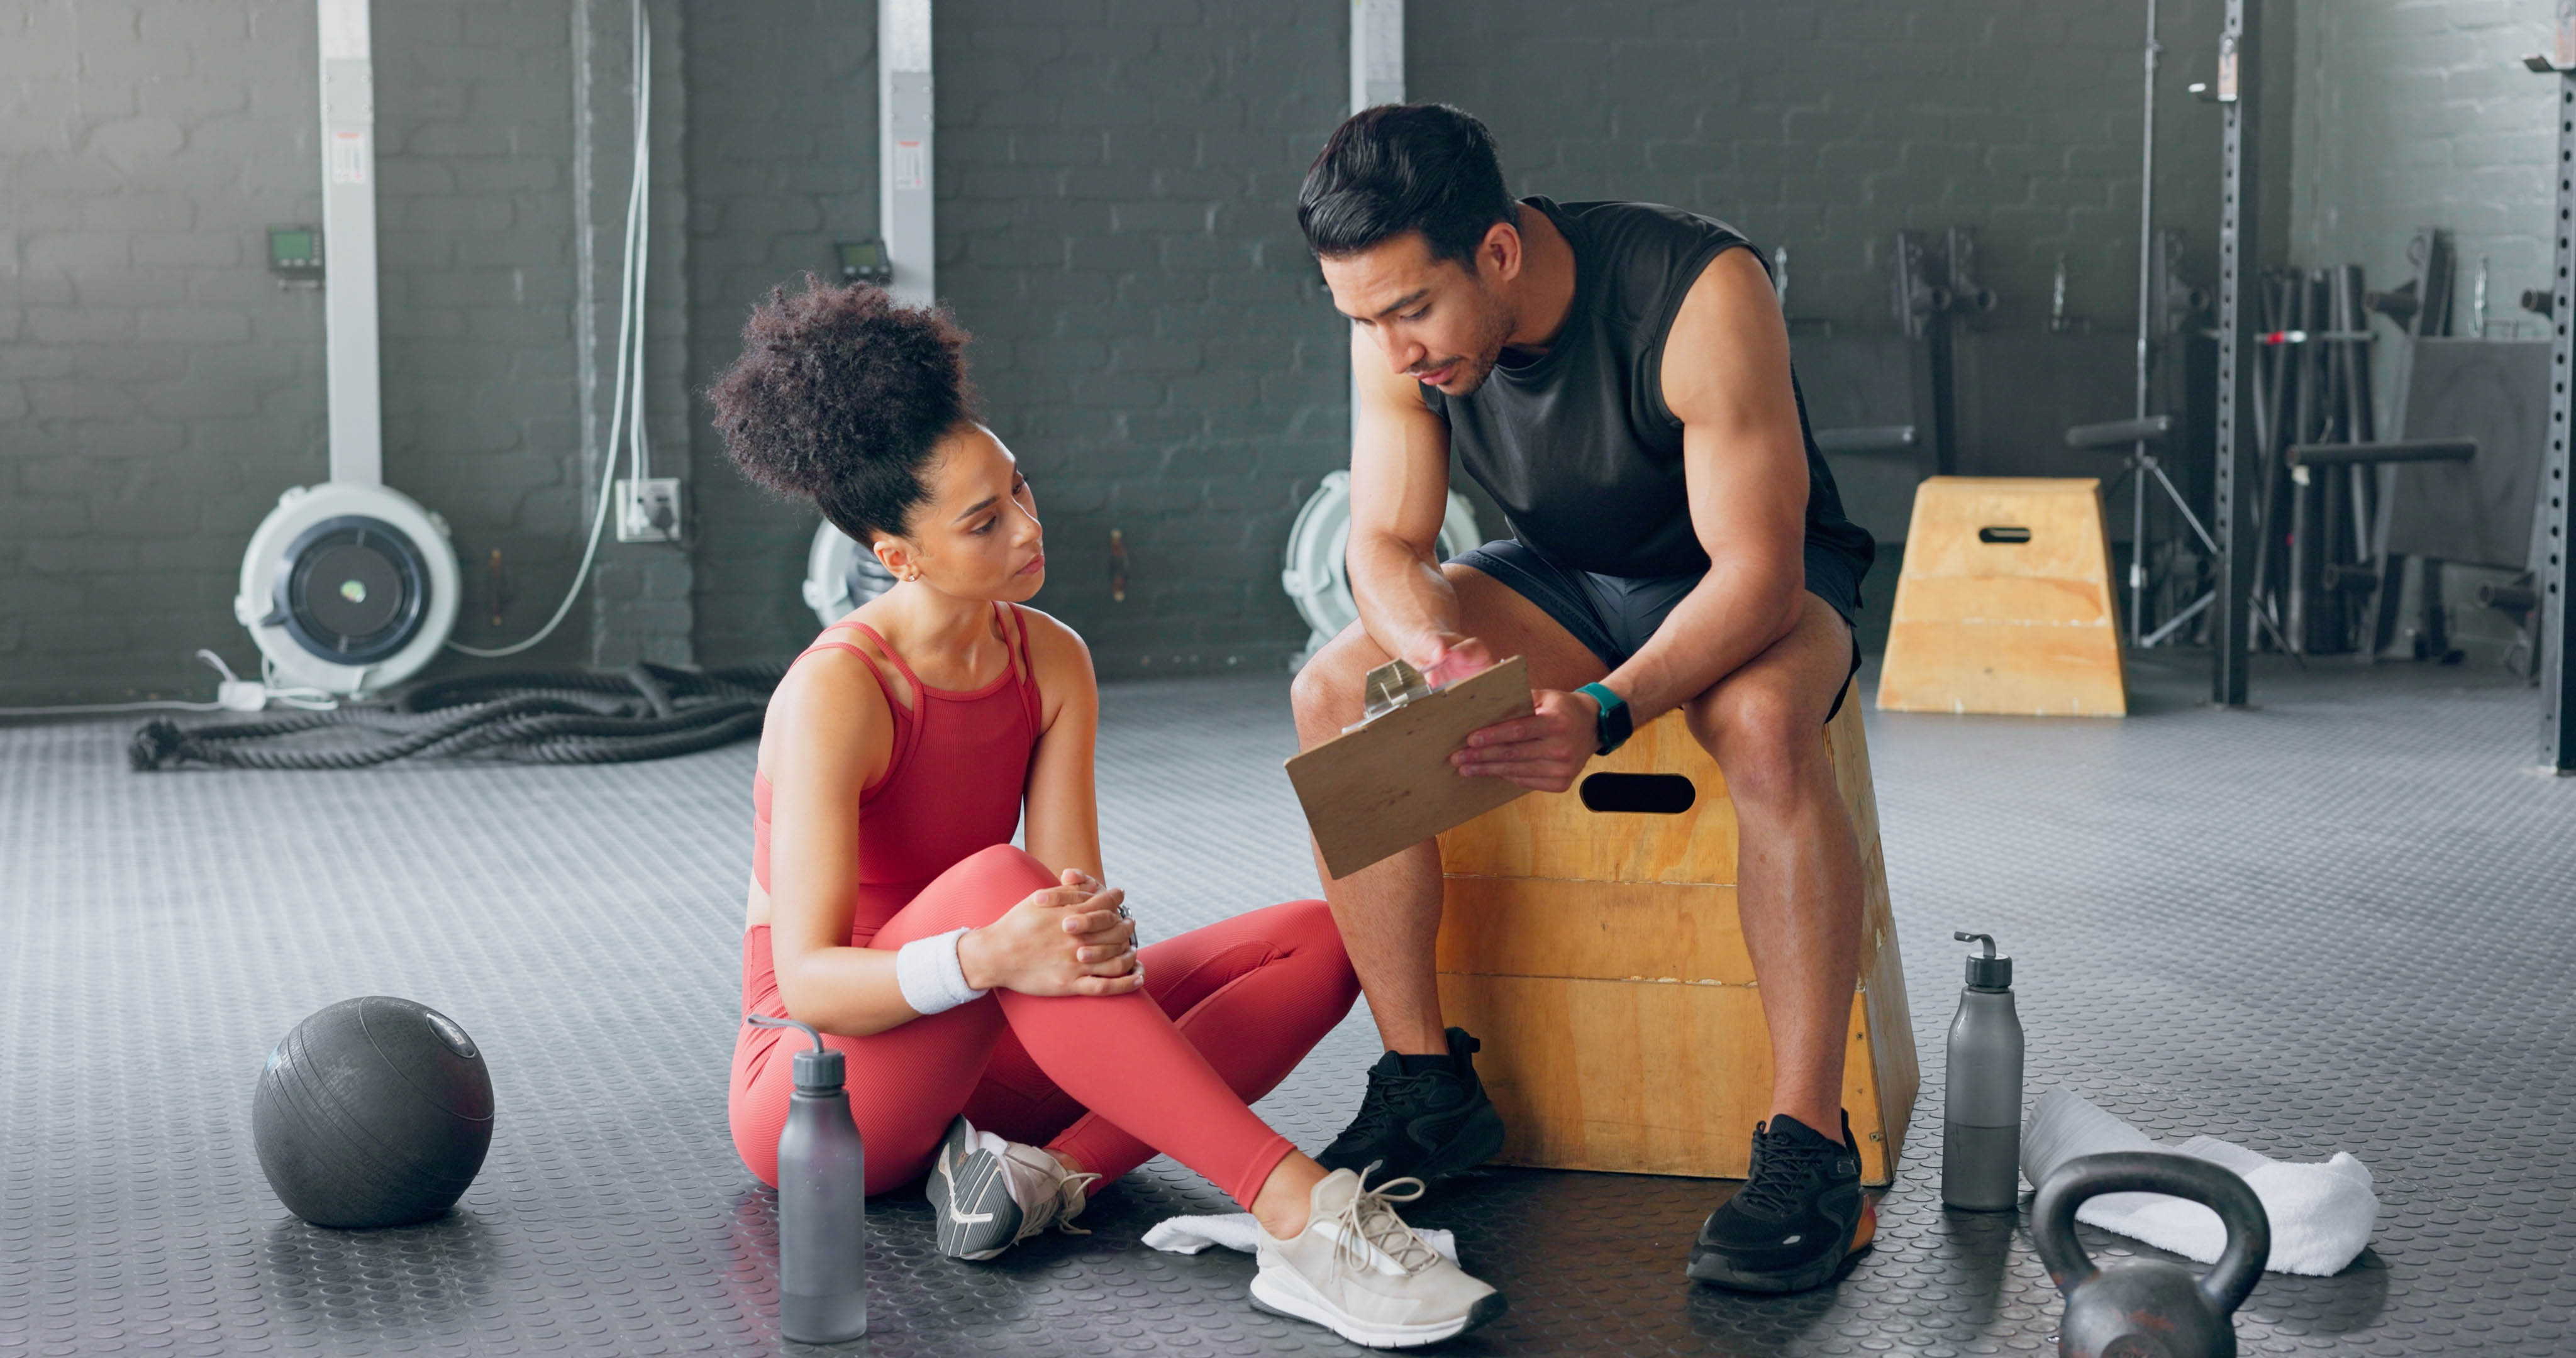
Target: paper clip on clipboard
{"x": 1387, "y": 783}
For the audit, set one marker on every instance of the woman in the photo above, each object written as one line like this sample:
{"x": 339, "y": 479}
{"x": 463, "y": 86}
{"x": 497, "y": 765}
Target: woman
{"x": 1004, "y": 1034}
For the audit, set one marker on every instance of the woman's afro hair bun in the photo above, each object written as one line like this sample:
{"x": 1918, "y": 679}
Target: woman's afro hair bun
{"x": 840, "y": 396}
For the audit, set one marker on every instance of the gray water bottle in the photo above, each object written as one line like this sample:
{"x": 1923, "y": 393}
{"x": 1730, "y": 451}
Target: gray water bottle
{"x": 822, "y": 1203}
{"x": 1981, "y": 1124}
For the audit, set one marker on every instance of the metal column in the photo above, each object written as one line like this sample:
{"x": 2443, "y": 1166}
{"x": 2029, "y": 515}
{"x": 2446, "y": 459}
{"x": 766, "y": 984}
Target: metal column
{"x": 2231, "y": 615}
{"x": 1377, "y": 77}
{"x": 2557, "y": 602}
{"x": 1377, "y": 53}
{"x": 349, "y": 340}
{"x": 905, "y": 149}
{"x": 2138, "y": 454}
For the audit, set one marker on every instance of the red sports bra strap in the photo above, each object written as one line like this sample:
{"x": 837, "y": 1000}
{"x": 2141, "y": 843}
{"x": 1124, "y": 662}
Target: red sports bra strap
{"x": 890, "y": 654}
{"x": 864, "y": 657}
{"x": 1028, "y": 674}
{"x": 907, "y": 724}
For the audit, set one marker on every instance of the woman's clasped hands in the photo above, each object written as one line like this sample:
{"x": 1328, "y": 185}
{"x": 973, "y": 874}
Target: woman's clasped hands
{"x": 1070, "y": 939}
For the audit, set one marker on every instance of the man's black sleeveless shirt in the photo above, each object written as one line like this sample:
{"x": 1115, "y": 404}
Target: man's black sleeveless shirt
{"x": 1577, "y": 446}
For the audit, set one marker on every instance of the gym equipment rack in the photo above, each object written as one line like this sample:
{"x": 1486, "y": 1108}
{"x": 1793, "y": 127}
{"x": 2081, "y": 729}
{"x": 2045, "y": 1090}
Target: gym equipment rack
{"x": 2557, "y": 606}
{"x": 2239, "y": 53}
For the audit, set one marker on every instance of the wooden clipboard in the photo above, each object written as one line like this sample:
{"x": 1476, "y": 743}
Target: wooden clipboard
{"x": 1387, "y": 785}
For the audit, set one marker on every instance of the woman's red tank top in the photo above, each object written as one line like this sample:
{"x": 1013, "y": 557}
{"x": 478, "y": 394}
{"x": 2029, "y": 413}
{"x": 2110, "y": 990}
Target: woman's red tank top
{"x": 953, "y": 786}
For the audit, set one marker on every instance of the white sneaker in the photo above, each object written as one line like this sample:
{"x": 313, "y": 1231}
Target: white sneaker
{"x": 1360, "y": 1272}
{"x": 991, "y": 1194}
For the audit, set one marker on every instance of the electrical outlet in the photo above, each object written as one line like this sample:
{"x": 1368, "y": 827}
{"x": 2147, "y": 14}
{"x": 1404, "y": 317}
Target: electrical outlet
{"x": 648, "y": 510}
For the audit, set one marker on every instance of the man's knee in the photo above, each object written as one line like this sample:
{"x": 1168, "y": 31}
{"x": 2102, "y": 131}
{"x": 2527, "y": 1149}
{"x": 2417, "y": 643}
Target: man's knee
{"x": 1764, "y": 740}
{"x": 1326, "y": 693}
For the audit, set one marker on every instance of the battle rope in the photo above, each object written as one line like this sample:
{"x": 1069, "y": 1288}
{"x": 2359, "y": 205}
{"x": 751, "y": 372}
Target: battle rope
{"x": 645, "y": 711}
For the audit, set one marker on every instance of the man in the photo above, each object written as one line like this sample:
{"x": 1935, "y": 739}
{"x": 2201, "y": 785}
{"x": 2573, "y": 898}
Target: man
{"x": 1617, "y": 375}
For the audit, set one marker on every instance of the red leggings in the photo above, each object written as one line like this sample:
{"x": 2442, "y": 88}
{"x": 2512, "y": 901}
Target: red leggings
{"x": 1225, "y": 1013}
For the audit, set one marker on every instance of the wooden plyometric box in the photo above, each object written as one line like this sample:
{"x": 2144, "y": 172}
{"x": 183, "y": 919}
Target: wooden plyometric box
{"x": 2004, "y": 605}
{"x": 1596, "y": 954}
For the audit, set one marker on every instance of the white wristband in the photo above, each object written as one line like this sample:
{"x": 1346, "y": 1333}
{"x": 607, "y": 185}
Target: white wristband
{"x": 932, "y": 978}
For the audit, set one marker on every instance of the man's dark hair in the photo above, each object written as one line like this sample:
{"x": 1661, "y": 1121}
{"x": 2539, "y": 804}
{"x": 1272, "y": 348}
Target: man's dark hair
{"x": 839, "y": 397}
{"x": 1405, "y": 167}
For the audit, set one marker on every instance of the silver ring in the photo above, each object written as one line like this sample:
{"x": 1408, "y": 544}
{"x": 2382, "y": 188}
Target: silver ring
{"x": 1123, "y": 912}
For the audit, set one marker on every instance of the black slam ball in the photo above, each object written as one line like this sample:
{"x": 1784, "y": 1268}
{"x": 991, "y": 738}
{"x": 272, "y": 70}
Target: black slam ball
{"x": 373, "y": 1112}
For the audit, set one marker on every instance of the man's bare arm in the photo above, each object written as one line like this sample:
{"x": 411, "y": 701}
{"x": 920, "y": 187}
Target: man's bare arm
{"x": 1726, "y": 376}
{"x": 1399, "y": 495}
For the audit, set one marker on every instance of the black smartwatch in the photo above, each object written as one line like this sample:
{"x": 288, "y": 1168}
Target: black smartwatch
{"x": 1613, "y": 727}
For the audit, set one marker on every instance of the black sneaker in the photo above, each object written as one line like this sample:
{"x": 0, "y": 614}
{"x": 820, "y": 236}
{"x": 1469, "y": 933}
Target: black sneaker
{"x": 1421, "y": 1124}
{"x": 1797, "y": 1220}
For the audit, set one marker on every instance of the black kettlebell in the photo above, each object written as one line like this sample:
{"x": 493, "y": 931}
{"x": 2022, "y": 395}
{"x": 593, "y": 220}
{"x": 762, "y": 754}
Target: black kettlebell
{"x": 2147, "y": 1308}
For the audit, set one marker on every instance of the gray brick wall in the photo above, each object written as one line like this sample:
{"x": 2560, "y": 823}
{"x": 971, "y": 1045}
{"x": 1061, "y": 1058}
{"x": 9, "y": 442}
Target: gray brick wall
{"x": 158, "y": 390}
{"x": 1826, "y": 126}
{"x": 1116, "y": 187}
{"x": 474, "y": 241}
{"x": 1116, "y": 195}
{"x": 1117, "y": 183}
{"x": 1116, "y": 228}
{"x": 642, "y": 604}
{"x": 782, "y": 163}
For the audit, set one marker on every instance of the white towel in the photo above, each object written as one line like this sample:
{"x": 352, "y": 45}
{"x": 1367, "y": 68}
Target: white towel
{"x": 1234, "y": 1230}
{"x": 2322, "y": 1214}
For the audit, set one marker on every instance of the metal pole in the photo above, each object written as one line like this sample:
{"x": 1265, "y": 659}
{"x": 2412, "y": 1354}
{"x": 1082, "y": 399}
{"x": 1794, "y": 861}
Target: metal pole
{"x": 1377, "y": 77}
{"x": 2238, "y": 55}
{"x": 1377, "y": 53}
{"x": 2146, "y": 256}
{"x": 905, "y": 149}
{"x": 351, "y": 374}
{"x": 2557, "y": 619}
{"x": 2138, "y": 547}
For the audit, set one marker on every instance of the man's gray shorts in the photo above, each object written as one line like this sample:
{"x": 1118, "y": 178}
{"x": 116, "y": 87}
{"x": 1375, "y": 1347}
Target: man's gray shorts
{"x": 1613, "y": 615}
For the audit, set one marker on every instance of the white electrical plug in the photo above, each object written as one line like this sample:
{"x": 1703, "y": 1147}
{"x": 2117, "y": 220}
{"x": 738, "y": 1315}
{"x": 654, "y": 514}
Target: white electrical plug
{"x": 235, "y": 695}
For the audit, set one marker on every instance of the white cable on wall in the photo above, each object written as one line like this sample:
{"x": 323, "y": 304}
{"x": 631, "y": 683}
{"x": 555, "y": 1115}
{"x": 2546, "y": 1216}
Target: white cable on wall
{"x": 639, "y": 231}
{"x": 626, "y": 392}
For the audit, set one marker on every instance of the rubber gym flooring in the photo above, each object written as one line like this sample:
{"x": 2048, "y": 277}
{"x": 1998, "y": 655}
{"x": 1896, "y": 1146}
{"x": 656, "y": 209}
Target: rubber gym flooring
{"x": 2337, "y": 923}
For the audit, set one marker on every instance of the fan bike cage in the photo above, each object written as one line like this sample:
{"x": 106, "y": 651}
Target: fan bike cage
{"x": 1316, "y": 576}
{"x": 840, "y": 575}
{"x": 348, "y": 587}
